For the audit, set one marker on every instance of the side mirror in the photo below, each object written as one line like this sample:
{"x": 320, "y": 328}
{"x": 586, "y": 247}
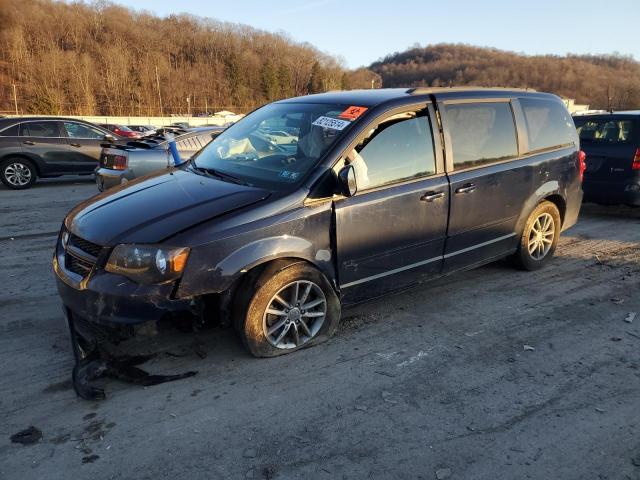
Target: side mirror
{"x": 347, "y": 181}
{"x": 109, "y": 138}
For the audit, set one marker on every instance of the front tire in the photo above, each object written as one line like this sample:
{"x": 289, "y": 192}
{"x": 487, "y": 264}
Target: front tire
{"x": 286, "y": 310}
{"x": 18, "y": 173}
{"x": 539, "y": 237}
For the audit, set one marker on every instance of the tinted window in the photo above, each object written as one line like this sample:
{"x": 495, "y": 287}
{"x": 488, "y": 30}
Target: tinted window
{"x": 40, "y": 129}
{"x": 604, "y": 131}
{"x": 548, "y": 124}
{"x": 399, "y": 149}
{"x": 481, "y": 133}
{"x": 77, "y": 130}
{"x": 11, "y": 131}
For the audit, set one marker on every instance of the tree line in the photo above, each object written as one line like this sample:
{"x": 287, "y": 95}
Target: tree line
{"x": 104, "y": 59}
{"x": 602, "y": 81}
{"x": 74, "y": 58}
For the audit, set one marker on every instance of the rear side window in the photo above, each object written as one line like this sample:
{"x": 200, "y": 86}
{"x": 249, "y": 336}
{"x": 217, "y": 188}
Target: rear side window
{"x": 40, "y": 129}
{"x": 604, "y": 131}
{"x": 548, "y": 124}
{"x": 399, "y": 149}
{"x": 481, "y": 133}
{"x": 77, "y": 130}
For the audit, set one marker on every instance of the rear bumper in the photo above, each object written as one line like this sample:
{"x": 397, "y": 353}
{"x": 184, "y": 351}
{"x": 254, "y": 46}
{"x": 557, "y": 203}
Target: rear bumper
{"x": 607, "y": 192}
{"x": 107, "y": 178}
{"x": 572, "y": 207}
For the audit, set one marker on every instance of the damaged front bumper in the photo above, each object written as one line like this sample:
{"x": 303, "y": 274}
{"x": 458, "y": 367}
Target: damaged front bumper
{"x": 93, "y": 360}
{"x": 103, "y": 309}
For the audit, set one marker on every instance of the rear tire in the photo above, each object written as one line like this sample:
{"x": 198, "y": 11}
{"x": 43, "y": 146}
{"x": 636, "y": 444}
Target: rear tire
{"x": 18, "y": 173}
{"x": 286, "y": 310}
{"x": 539, "y": 237}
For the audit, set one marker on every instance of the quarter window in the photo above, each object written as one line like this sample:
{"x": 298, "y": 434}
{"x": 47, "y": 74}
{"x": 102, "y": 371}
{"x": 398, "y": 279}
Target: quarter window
{"x": 401, "y": 148}
{"x": 481, "y": 133}
{"x": 40, "y": 129}
{"x": 77, "y": 130}
{"x": 548, "y": 124}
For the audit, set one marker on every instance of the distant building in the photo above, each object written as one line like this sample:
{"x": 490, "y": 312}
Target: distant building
{"x": 574, "y": 107}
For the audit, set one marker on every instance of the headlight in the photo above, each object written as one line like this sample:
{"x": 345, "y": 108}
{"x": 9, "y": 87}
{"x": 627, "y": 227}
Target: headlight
{"x": 147, "y": 264}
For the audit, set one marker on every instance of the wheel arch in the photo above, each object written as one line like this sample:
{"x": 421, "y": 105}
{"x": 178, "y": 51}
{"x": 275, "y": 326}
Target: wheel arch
{"x": 549, "y": 191}
{"x": 23, "y": 156}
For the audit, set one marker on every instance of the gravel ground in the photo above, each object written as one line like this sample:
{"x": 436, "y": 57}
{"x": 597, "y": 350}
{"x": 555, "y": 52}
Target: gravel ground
{"x": 489, "y": 374}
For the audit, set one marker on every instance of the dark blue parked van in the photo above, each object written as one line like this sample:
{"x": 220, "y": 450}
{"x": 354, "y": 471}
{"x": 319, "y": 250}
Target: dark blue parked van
{"x": 612, "y": 144}
{"x": 377, "y": 190}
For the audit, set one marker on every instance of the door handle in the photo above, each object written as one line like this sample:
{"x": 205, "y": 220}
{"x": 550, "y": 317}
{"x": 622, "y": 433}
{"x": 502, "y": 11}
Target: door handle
{"x": 29, "y": 142}
{"x": 431, "y": 196}
{"x": 467, "y": 188}
{"x": 76, "y": 145}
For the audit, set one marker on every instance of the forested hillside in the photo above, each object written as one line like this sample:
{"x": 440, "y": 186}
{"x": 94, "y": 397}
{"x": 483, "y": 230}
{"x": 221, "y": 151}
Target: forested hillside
{"x": 102, "y": 59}
{"x": 75, "y": 58}
{"x": 591, "y": 79}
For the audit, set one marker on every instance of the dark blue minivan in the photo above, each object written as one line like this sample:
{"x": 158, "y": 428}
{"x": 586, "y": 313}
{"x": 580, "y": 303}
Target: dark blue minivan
{"x": 376, "y": 190}
{"x": 611, "y": 142}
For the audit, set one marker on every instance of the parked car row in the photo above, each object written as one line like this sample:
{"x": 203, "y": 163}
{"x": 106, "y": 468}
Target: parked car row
{"x": 44, "y": 147}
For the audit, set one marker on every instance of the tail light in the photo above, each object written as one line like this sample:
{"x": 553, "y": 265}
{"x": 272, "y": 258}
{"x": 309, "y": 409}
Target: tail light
{"x": 119, "y": 162}
{"x": 582, "y": 165}
{"x": 635, "y": 165}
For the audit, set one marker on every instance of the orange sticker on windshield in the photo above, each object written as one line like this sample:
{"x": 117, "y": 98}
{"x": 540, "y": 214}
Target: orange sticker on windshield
{"x": 352, "y": 113}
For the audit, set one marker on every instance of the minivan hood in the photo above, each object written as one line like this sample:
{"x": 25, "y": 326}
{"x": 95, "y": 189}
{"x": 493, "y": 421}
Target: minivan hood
{"x": 152, "y": 209}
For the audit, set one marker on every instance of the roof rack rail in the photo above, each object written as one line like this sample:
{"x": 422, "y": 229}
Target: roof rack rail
{"x": 427, "y": 90}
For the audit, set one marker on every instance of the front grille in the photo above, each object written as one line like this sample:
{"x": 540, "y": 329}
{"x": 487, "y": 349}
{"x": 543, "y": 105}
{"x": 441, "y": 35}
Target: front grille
{"x": 84, "y": 245}
{"x": 80, "y": 255}
{"x": 77, "y": 265}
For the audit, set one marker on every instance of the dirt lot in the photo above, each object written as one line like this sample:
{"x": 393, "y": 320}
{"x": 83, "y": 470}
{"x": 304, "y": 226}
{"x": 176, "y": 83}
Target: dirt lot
{"x": 432, "y": 383}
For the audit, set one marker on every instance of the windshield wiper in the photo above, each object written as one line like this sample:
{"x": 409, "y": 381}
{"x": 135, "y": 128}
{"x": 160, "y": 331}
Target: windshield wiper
{"x": 226, "y": 177}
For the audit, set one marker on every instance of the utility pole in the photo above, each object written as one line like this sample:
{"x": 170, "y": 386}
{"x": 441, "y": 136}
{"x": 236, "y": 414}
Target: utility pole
{"x": 373, "y": 81}
{"x": 15, "y": 98}
{"x": 206, "y": 106}
{"x": 159, "y": 95}
{"x": 188, "y": 106}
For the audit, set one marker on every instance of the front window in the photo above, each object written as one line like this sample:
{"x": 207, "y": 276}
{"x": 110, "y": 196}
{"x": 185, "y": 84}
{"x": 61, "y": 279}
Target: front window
{"x": 277, "y": 145}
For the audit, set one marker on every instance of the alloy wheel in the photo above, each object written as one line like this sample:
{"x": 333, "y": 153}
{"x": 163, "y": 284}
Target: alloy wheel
{"x": 17, "y": 174}
{"x": 541, "y": 236}
{"x": 294, "y": 315}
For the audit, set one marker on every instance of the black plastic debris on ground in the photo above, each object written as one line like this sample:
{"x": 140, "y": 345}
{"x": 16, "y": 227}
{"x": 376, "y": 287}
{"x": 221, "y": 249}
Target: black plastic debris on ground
{"x": 124, "y": 368}
{"x": 27, "y": 437}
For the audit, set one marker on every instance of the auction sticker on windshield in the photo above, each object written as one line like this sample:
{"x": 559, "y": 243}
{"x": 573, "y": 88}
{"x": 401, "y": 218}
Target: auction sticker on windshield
{"x": 352, "y": 112}
{"x": 332, "y": 123}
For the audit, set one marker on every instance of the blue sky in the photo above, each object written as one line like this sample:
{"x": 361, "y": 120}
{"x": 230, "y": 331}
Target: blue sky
{"x": 362, "y": 31}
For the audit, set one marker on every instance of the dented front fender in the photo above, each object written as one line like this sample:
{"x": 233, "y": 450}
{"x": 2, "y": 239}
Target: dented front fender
{"x": 303, "y": 234}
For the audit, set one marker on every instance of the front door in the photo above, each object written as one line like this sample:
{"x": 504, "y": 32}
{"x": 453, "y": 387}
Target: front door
{"x": 391, "y": 233}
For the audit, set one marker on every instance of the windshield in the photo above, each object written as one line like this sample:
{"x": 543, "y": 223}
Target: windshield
{"x": 277, "y": 145}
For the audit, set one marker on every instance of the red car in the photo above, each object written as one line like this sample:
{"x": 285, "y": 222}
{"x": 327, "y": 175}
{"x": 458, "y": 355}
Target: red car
{"x": 121, "y": 130}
